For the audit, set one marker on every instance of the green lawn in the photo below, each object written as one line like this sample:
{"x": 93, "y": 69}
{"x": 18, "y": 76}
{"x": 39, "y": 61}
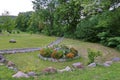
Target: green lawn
{"x": 30, "y": 62}
{"x": 82, "y": 47}
{"x": 24, "y": 41}
{"x": 98, "y": 73}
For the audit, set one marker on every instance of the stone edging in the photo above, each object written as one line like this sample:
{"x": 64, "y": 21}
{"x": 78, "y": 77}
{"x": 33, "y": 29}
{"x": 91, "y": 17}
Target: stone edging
{"x": 57, "y": 60}
{"x": 21, "y": 50}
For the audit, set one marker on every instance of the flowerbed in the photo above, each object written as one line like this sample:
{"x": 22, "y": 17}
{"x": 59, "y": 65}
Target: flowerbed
{"x": 58, "y": 53}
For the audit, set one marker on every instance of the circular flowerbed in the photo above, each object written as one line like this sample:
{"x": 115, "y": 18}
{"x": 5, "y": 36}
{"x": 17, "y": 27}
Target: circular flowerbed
{"x": 58, "y": 53}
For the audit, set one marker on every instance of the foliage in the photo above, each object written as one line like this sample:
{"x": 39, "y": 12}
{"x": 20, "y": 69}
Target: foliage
{"x": 46, "y": 52}
{"x": 92, "y": 55}
{"x": 70, "y": 55}
{"x": 67, "y": 15}
{"x": 58, "y": 52}
{"x": 22, "y": 21}
{"x": 64, "y": 18}
{"x": 86, "y": 30}
{"x": 107, "y": 29}
{"x": 114, "y": 42}
{"x": 7, "y": 22}
{"x": 74, "y": 51}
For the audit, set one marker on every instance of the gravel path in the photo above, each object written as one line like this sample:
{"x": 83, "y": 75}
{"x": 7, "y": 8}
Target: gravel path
{"x": 24, "y": 50}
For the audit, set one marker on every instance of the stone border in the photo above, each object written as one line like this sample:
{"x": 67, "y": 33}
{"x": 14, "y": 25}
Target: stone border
{"x": 19, "y": 50}
{"x": 57, "y": 60}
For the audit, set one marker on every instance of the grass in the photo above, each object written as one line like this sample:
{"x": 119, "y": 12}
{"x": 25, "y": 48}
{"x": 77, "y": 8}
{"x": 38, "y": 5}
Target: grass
{"x": 98, "y": 73}
{"x": 30, "y": 62}
{"x": 24, "y": 41}
{"x": 82, "y": 47}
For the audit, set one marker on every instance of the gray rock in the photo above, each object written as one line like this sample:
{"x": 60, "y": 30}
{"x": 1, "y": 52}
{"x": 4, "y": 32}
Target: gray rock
{"x": 49, "y": 70}
{"x": 2, "y": 59}
{"x": 10, "y": 64}
{"x": 66, "y": 69}
{"x": 1, "y": 64}
{"x": 20, "y": 74}
{"x": 106, "y": 65}
{"x": 78, "y": 65}
{"x": 12, "y": 41}
{"x": 15, "y": 69}
{"x": 109, "y": 62}
{"x": 92, "y": 65}
{"x": 11, "y": 67}
{"x": 116, "y": 59}
{"x": 31, "y": 74}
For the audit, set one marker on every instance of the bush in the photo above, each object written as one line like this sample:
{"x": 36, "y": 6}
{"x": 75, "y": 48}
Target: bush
{"x": 58, "y": 52}
{"x": 46, "y": 52}
{"x": 114, "y": 42}
{"x": 86, "y": 29}
{"x": 70, "y": 55}
{"x": 74, "y": 51}
{"x": 92, "y": 55}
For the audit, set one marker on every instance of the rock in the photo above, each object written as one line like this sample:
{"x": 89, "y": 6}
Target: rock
{"x": 108, "y": 62}
{"x": 12, "y": 41}
{"x": 92, "y": 65}
{"x": 2, "y": 59}
{"x": 15, "y": 69}
{"x": 10, "y": 64}
{"x": 106, "y": 65}
{"x": 20, "y": 74}
{"x": 31, "y": 74}
{"x": 11, "y": 67}
{"x": 1, "y": 64}
{"x": 49, "y": 70}
{"x": 78, "y": 65}
{"x": 66, "y": 69}
{"x": 116, "y": 59}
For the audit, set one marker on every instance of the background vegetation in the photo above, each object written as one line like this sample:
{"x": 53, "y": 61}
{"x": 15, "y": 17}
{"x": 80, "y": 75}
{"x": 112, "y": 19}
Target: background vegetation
{"x": 88, "y": 20}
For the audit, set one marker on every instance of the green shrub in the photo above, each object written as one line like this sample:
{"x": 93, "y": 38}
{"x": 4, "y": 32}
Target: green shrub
{"x": 58, "y": 52}
{"x": 74, "y": 51}
{"x": 114, "y": 42}
{"x": 92, "y": 55}
{"x": 118, "y": 47}
{"x": 46, "y": 52}
{"x": 86, "y": 29}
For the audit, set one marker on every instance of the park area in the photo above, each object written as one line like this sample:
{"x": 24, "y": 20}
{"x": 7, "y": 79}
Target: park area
{"x": 60, "y": 40}
{"x": 29, "y": 61}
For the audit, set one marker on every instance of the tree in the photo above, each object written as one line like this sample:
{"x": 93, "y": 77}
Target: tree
{"x": 7, "y": 22}
{"x": 45, "y": 10}
{"x": 22, "y": 21}
{"x": 35, "y": 23}
{"x": 68, "y": 15}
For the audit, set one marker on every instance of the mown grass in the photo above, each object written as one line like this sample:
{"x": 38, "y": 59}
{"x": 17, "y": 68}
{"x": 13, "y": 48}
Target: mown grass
{"x": 98, "y": 73}
{"x": 24, "y": 41}
{"x": 82, "y": 47}
{"x": 30, "y": 62}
